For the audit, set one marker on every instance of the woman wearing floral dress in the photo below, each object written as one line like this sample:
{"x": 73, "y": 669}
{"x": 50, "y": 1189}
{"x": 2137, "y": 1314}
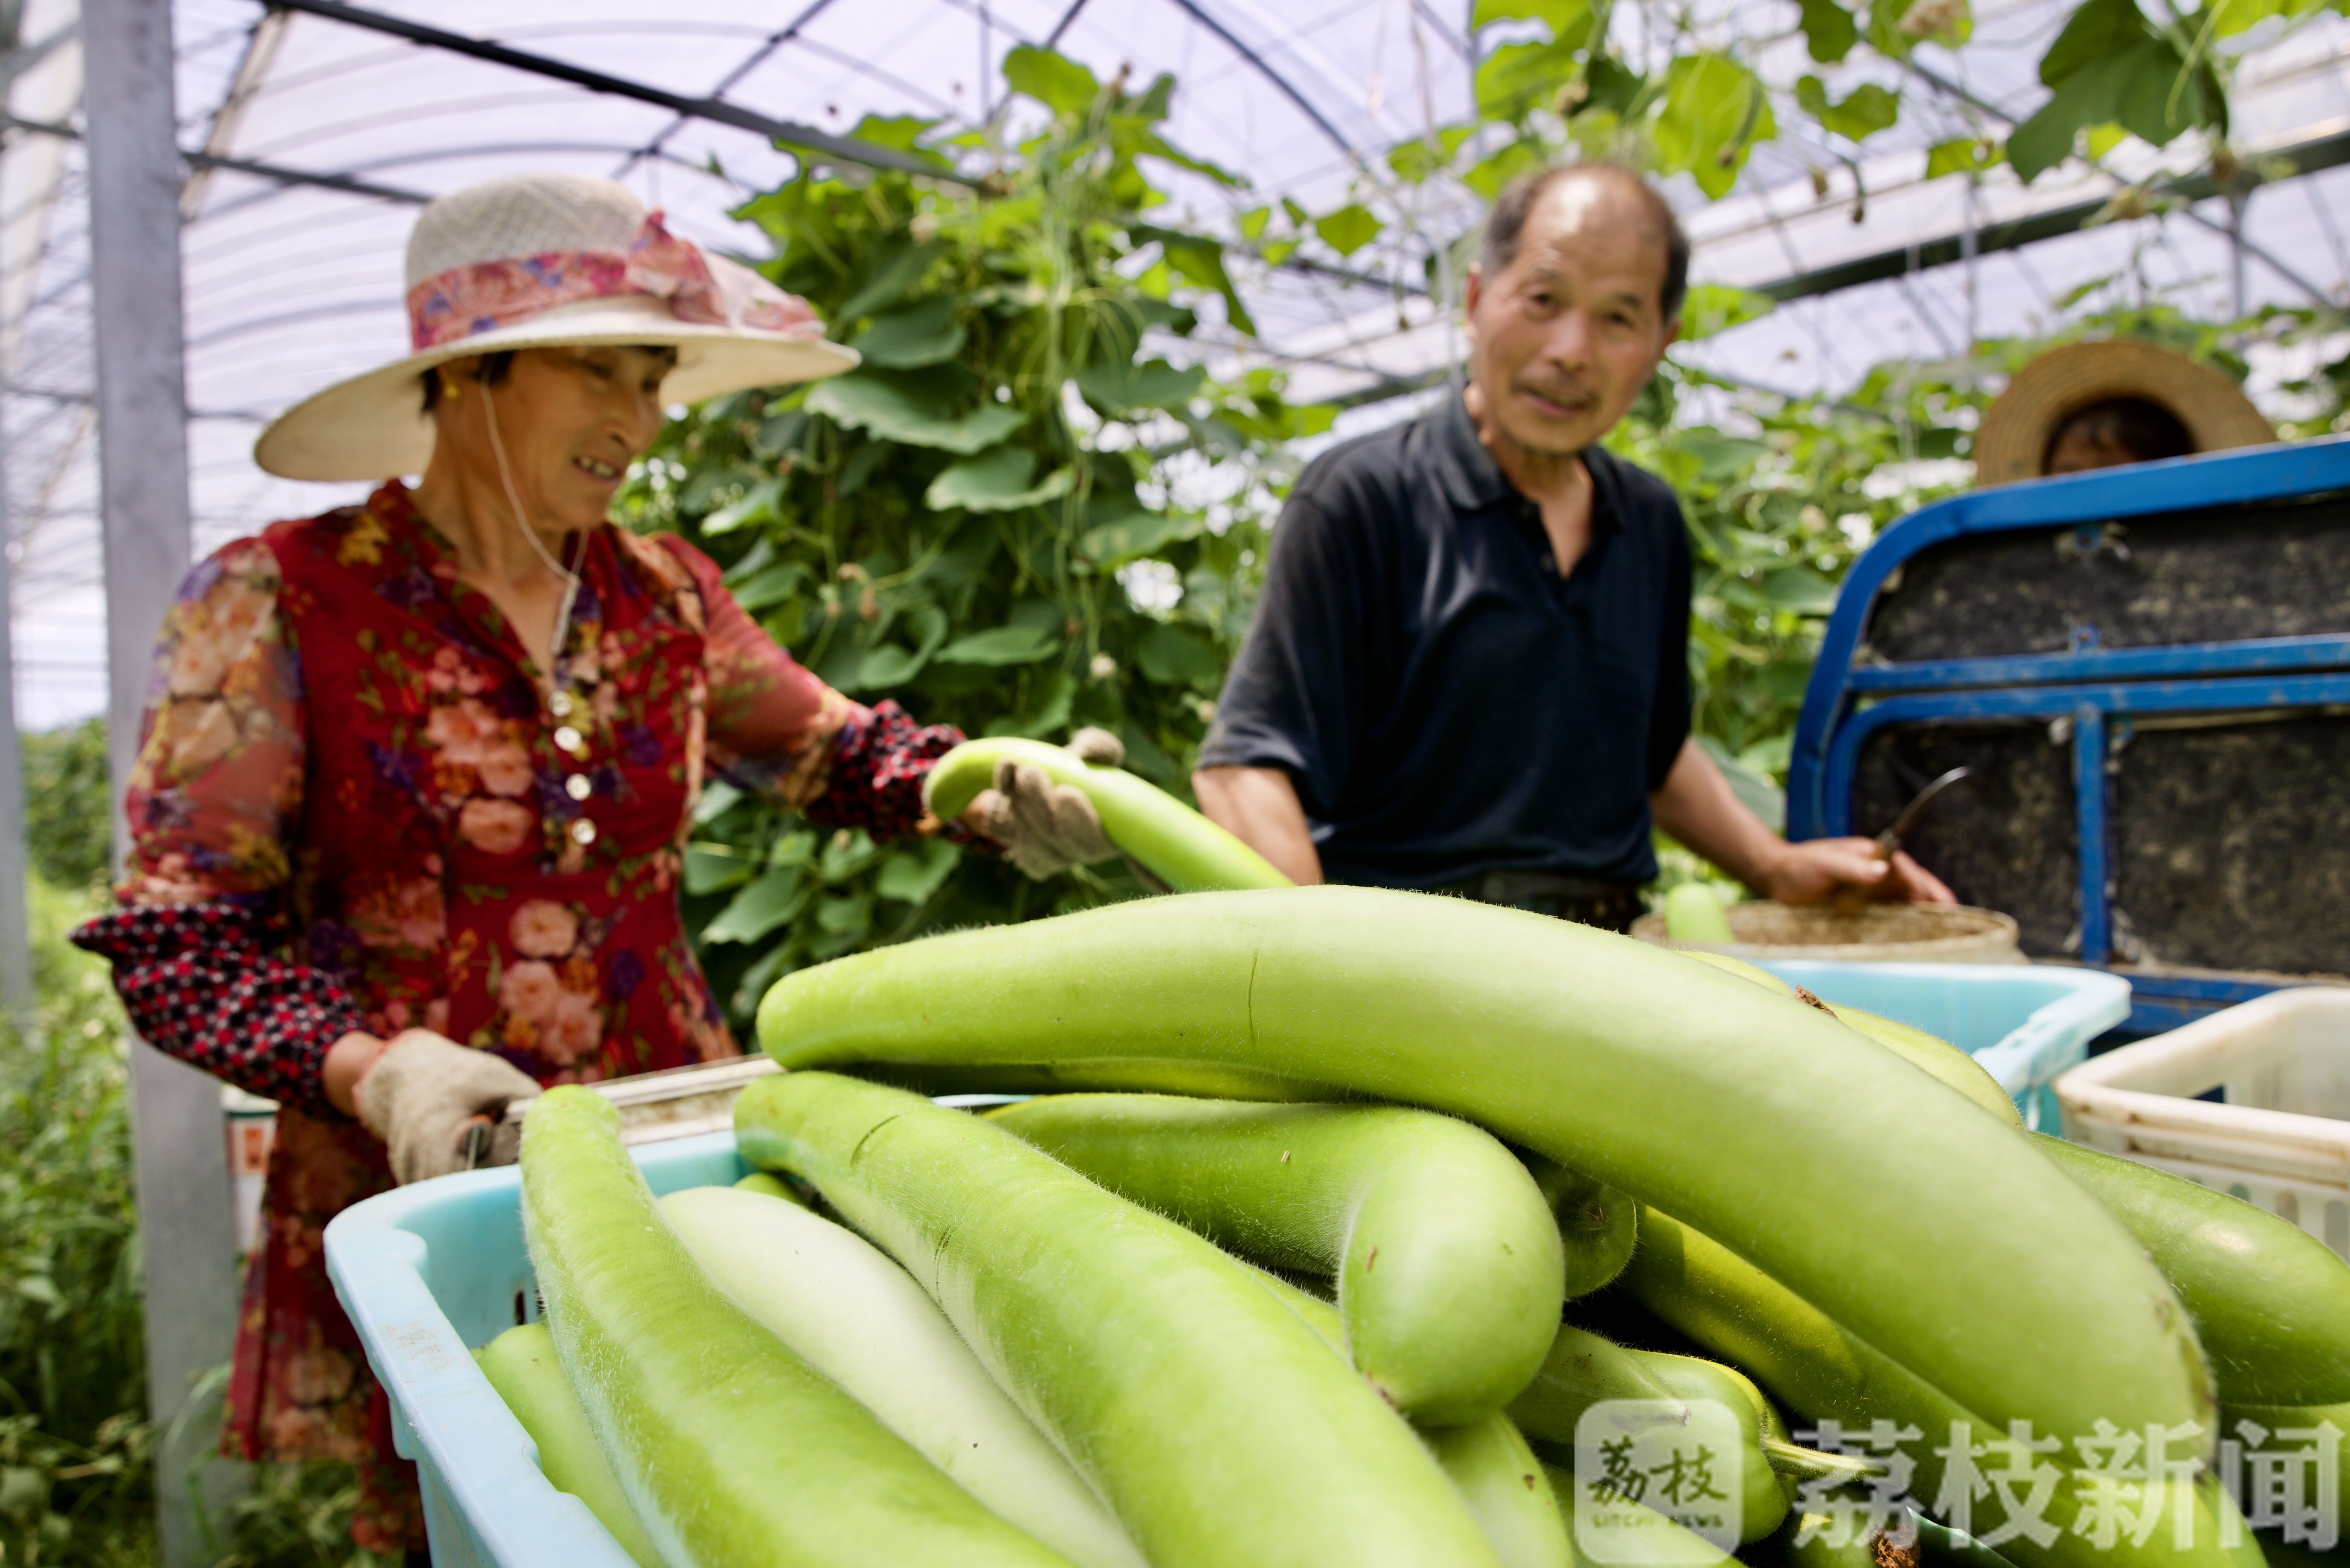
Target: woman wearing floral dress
{"x": 416, "y": 775}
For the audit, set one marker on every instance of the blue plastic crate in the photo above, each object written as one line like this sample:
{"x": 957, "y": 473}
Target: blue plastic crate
{"x": 428, "y": 1274}
{"x": 2024, "y": 1023}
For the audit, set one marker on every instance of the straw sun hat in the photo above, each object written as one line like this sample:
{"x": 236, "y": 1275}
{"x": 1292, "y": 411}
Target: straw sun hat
{"x": 2016, "y": 432}
{"x": 540, "y": 261}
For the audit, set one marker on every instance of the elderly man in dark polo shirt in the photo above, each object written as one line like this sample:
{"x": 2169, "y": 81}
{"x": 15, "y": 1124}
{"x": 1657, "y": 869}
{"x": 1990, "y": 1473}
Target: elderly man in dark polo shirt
{"x": 1469, "y": 671}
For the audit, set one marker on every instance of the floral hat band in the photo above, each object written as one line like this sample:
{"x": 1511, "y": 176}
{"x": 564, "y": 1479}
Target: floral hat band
{"x": 550, "y": 261}
{"x": 467, "y": 301}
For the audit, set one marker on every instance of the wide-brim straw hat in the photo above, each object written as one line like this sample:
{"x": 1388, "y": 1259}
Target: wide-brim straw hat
{"x": 545, "y": 261}
{"x": 2013, "y": 444}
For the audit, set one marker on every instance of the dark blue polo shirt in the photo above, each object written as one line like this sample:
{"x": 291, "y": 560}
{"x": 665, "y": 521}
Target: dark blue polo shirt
{"x": 1445, "y": 702}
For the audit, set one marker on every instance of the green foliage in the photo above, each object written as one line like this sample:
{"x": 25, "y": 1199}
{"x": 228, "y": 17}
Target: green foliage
{"x": 1413, "y": 161}
{"x": 1010, "y": 534}
{"x": 2110, "y": 63}
{"x": 1829, "y": 32}
{"x": 292, "y": 1516}
{"x": 1715, "y": 111}
{"x": 1553, "y": 87}
{"x": 69, "y": 819}
{"x": 1960, "y": 155}
{"x": 76, "y": 1482}
{"x": 1867, "y": 110}
{"x": 74, "y": 1485}
{"x": 1349, "y": 229}
{"x": 1897, "y": 27}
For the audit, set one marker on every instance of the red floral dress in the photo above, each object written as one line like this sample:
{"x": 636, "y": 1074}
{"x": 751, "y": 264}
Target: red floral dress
{"x": 358, "y": 807}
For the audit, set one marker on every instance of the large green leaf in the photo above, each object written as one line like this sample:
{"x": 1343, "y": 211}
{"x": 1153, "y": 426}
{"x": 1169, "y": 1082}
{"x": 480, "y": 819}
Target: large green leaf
{"x": 891, "y": 275}
{"x": 1719, "y": 456}
{"x": 758, "y": 505}
{"x": 1003, "y": 645}
{"x": 1173, "y": 656}
{"x": 899, "y": 409}
{"x": 1715, "y": 111}
{"x": 1513, "y": 158}
{"x": 1153, "y": 384}
{"x": 924, "y": 334}
{"x": 713, "y": 867}
{"x": 1960, "y": 155}
{"x": 1829, "y": 31}
{"x": 1349, "y": 229}
{"x": 902, "y": 131}
{"x": 770, "y": 587}
{"x": 888, "y": 666}
{"x": 1198, "y": 260}
{"x": 2097, "y": 32}
{"x": 2138, "y": 86}
{"x": 1151, "y": 145}
{"x": 996, "y": 481}
{"x": 1867, "y": 110}
{"x": 1612, "y": 85}
{"x": 1800, "y": 589}
{"x": 1413, "y": 159}
{"x": 1137, "y": 534}
{"x": 771, "y": 901}
{"x": 1050, "y": 698}
{"x": 2157, "y": 97}
{"x": 1057, "y": 82}
{"x": 915, "y": 872}
{"x": 1518, "y": 78}
{"x": 847, "y": 917}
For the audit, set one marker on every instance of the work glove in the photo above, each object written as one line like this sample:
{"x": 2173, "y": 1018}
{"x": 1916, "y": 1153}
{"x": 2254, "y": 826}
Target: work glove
{"x": 1045, "y": 827}
{"x": 423, "y": 1091}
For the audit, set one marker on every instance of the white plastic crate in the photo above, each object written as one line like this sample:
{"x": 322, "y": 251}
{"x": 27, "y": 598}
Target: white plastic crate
{"x": 2278, "y": 1135}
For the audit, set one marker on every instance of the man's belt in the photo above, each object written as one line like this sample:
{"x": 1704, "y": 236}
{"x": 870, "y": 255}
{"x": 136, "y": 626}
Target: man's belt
{"x": 1612, "y": 906}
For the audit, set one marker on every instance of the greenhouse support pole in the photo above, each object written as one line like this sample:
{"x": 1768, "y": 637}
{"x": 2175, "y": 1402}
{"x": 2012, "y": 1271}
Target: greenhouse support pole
{"x": 16, "y": 930}
{"x": 187, "y": 1234}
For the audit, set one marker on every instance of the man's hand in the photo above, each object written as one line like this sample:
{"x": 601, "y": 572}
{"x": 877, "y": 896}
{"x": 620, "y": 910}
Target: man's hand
{"x": 1812, "y": 871}
{"x": 1696, "y": 807}
{"x": 420, "y": 1092}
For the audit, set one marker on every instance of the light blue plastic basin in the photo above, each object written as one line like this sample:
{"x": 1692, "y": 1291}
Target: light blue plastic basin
{"x": 431, "y": 1272}
{"x": 2024, "y": 1023}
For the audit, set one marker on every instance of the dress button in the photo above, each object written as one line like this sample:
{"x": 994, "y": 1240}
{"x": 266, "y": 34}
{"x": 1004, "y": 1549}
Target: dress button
{"x": 579, "y": 787}
{"x": 559, "y": 704}
{"x": 583, "y": 833}
{"x": 567, "y": 739}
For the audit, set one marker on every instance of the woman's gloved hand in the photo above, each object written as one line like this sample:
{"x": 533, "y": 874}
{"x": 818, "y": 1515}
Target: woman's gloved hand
{"x": 1045, "y": 827}
{"x": 423, "y": 1090}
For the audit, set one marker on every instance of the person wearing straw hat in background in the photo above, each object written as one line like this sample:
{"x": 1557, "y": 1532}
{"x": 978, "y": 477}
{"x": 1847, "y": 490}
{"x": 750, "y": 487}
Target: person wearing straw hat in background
{"x": 415, "y": 774}
{"x": 2100, "y": 405}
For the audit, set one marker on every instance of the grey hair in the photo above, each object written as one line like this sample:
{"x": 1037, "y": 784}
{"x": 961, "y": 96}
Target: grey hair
{"x": 1505, "y": 226}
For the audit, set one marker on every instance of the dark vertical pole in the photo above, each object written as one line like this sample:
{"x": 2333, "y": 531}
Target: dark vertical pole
{"x": 2090, "y": 798}
{"x": 15, "y": 931}
{"x": 187, "y": 1233}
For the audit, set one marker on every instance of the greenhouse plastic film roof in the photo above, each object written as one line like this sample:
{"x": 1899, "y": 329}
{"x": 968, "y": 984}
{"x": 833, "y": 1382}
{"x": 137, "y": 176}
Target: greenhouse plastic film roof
{"x": 313, "y": 140}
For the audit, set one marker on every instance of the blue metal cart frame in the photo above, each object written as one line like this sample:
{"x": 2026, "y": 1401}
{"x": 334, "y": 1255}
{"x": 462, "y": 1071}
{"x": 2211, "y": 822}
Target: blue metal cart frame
{"x": 2099, "y": 691}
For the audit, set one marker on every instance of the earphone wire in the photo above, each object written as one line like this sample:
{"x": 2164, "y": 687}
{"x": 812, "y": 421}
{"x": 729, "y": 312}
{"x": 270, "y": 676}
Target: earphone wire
{"x": 570, "y": 578}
